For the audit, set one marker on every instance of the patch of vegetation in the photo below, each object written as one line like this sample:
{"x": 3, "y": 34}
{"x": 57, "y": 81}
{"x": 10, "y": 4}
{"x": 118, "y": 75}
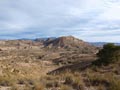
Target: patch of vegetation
{"x": 114, "y": 84}
{"x": 5, "y": 81}
{"x": 66, "y": 87}
{"x": 109, "y": 54}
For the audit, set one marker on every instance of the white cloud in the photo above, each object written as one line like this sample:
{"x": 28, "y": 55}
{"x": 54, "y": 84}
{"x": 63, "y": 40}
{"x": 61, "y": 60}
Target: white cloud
{"x": 83, "y": 18}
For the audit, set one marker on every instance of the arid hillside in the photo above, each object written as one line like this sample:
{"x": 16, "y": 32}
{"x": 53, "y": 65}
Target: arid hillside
{"x": 70, "y": 43}
{"x": 64, "y": 63}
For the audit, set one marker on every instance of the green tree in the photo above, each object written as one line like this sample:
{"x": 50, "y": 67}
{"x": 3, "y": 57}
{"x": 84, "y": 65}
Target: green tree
{"x": 109, "y": 54}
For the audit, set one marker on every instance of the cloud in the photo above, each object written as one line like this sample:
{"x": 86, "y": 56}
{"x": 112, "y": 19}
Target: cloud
{"x": 90, "y": 20}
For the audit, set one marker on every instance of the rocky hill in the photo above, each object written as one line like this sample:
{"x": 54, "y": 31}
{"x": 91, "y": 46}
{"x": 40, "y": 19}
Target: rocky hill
{"x": 61, "y": 43}
{"x": 70, "y": 43}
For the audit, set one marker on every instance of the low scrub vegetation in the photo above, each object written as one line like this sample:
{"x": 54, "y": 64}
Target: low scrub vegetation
{"x": 38, "y": 69}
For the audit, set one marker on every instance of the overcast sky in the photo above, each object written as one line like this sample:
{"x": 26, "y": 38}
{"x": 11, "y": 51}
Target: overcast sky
{"x": 90, "y": 20}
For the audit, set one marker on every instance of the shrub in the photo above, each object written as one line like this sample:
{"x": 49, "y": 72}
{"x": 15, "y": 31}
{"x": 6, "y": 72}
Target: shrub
{"x": 21, "y": 81}
{"x": 109, "y": 54}
{"x": 5, "y": 81}
{"x": 69, "y": 79}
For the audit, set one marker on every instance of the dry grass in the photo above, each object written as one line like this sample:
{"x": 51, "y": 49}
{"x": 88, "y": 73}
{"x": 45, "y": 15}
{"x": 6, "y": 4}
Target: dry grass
{"x": 66, "y": 87}
{"x": 26, "y": 70}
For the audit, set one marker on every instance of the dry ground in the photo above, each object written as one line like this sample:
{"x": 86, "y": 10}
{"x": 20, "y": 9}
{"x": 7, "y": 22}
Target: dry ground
{"x": 40, "y": 69}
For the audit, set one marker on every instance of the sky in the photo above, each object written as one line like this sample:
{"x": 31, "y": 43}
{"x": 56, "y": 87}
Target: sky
{"x": 89, "y": 20}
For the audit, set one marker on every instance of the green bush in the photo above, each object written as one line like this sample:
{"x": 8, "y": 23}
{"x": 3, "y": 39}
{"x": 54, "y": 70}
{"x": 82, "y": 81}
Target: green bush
{"x": 109, "y": 54}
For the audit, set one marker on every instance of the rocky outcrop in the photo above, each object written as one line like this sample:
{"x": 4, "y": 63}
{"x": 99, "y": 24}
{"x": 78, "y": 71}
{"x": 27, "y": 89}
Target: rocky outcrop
{"x": 70, "y": 43}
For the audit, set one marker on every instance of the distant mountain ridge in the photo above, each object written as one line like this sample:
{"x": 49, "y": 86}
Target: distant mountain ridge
{"x": 96, "y": 44}
{"x": 100, "y": 44}
{"x": 60, "y": 43}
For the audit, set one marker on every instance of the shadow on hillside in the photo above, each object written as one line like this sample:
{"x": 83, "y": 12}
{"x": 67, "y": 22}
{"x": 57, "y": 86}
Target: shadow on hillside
{"x": 74, "y": 67}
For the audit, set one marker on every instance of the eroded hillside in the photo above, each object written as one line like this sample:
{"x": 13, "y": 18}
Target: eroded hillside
{"x": 64, "y": 63}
